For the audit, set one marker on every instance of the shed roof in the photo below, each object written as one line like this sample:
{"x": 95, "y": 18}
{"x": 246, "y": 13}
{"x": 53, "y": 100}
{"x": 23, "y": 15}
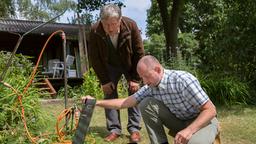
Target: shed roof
{"x": 22, "y": 26}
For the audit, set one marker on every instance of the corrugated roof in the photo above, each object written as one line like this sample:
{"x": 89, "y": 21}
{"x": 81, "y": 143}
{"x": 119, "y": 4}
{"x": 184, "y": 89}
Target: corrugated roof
{"x": 22, "y": 26}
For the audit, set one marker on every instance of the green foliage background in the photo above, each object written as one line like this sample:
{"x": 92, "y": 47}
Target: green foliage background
{"x": 91, "y": 86}
{"x": 217, "y": 40}
{"x": 11, "y": 126}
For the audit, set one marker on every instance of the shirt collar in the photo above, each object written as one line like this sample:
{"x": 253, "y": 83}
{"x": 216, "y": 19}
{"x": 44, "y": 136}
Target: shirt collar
{"x": 162, "y": 84}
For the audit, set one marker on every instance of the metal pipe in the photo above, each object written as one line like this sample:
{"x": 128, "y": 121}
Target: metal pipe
{"x": 65, "y": 74}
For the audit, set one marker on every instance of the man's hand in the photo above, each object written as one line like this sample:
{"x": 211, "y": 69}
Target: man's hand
{"x": 208, "y": 112}
{"x": 183, "y": 136}
{"x": 86, "y": 97}
{"x": 108, "y": 88}
{"x": 133, "y": 86}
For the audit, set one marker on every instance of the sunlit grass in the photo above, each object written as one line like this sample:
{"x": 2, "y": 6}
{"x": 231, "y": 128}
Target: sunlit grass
{"x": 237, "y": 124}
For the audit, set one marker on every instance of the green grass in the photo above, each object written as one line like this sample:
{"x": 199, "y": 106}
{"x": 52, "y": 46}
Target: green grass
{"x": 237, "y": 124}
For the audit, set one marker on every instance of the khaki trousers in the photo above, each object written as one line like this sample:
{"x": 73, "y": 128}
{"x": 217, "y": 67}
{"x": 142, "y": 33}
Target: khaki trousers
{"x": 156, "y": 115}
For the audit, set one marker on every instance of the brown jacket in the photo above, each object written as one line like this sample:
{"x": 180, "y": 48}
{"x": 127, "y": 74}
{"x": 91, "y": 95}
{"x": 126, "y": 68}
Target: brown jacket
{"x": 130, "y": 48}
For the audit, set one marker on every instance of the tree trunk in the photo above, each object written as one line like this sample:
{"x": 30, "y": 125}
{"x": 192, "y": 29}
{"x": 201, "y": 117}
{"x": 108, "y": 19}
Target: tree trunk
{"x": 170, "y": 24}
{"x": 162, "y": 4}
{"x": 174, "y": 25}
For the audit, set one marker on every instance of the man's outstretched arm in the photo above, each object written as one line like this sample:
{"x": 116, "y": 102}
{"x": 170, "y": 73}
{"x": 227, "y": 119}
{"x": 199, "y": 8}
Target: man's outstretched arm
{"x": 115, "y": 103}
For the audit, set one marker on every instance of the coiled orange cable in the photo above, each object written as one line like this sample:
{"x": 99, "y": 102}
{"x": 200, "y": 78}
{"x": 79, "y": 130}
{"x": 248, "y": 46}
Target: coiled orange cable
{"x": 31, "y": 138}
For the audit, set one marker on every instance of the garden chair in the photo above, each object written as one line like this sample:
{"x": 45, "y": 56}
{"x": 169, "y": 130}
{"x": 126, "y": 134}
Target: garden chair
{"x": 49, "y": 71}
{"x": 58, "y": 68}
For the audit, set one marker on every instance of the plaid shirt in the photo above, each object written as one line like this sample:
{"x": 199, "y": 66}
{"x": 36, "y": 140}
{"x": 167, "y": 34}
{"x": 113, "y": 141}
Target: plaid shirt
{"x": 180, "y": 91}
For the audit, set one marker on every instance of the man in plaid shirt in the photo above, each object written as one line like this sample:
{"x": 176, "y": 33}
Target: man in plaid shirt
{"x": 173, "y": 99}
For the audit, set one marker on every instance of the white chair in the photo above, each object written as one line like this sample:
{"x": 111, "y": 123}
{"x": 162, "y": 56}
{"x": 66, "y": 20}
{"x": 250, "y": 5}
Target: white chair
{"x": 49, "y": 70}
{"x": 58, "y": 68}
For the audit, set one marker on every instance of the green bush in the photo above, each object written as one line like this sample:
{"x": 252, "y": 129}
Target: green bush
{"x": 72, "y": 92}
{"x": 11, "y": 126}
{"x": 91, "y": 85}
{"x": 225, "y": 90}
{"x": 122, "y": 87}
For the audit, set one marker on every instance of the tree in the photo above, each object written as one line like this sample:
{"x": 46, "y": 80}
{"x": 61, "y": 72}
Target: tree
{"x": 6, "y": 8}
{"x": 170, "y": 12}
{"x": 92, "y": 5}
{"x": 42, "y": 10}
{"x": 155, "y": 46}
{"x": 154, "y": 24}
{"x": 235, "y": 41}
{"x": 224, "y": 31}
{"x": 170, "y": 24}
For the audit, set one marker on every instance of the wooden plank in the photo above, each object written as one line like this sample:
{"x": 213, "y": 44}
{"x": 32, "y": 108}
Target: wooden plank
{"x": 52, "y": 90}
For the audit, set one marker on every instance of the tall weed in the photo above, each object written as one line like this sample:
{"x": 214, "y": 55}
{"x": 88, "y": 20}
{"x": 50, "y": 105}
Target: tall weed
{"x": 225, "y": 90}
{"x": 11, "y": 126}
{"x": 222, "y": 89}
{"x": 91, "y": 85}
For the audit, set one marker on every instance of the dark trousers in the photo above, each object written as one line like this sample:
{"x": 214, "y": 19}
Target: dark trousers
{"x": 112, "y": 115}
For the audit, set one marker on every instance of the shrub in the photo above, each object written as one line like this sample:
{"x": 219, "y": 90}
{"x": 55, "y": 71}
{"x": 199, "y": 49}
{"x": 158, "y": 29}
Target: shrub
{"x": 11, "y": 126}
{"x": 225, "y": 90}
{"x": 91, "y": 85}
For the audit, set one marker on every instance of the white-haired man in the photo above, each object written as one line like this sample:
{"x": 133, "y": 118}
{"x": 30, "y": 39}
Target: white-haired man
{"x": 115, "y": 47}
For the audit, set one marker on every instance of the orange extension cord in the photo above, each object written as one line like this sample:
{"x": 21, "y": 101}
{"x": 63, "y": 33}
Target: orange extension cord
{"x": 65, "y": 113}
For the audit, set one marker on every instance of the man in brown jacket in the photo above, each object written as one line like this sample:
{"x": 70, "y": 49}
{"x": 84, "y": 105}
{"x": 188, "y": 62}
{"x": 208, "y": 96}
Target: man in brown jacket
{"x": 115, "y": 47}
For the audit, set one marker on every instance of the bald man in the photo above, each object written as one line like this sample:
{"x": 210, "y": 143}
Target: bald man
{"x": 172, "y": 99}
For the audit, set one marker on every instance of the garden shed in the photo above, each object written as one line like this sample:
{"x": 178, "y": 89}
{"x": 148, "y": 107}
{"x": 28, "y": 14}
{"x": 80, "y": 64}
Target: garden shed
{"x": 32, "y": 44}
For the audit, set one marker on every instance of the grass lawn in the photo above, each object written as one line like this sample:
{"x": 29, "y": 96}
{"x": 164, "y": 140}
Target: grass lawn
{"x": 237, "y": 124}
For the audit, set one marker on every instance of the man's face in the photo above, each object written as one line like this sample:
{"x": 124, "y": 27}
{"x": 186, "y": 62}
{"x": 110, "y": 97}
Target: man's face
{"x": 151, "y": 77}
{"x": 111, "y": 25}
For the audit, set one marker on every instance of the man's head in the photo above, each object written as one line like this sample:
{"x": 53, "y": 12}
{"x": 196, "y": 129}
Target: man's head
{"x": 150, "y": 70}
{"x": 110, "y": 16}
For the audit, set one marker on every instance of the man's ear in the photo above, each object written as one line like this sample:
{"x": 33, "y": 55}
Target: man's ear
{"x": 157, "y": 69}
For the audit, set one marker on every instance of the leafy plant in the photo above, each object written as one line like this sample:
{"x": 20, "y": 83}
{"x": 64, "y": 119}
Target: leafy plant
{"x": 71, "y": 92}
{"x": 155, "y": 46}
{"x": 11, "y": 126}
{"x": 122, "y": 87}
{"x": 188, "y": 46}
{"x": 91, "y": 85}
{"x": 225, "y": 90}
